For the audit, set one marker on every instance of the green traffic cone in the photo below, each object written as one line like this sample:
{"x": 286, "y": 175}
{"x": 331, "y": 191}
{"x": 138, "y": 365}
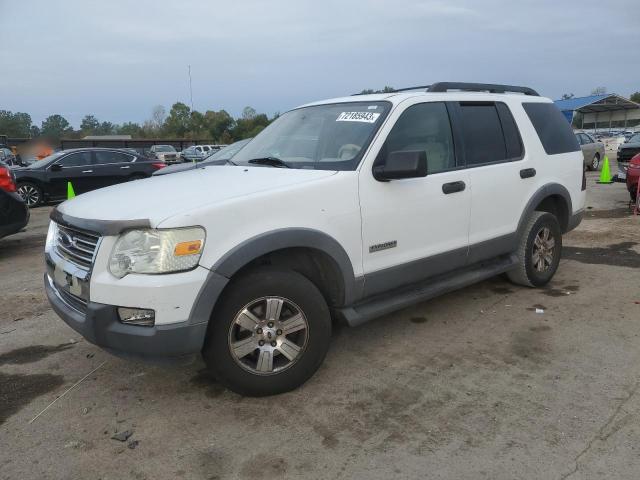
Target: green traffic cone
{"x": 70, "y": 192}
{"x": 605, "y": 173}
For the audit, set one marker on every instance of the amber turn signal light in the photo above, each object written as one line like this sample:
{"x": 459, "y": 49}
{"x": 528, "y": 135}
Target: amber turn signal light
{"x": 187, "y": 248}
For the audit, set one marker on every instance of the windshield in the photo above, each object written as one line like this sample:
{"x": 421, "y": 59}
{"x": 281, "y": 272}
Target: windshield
{"x": 227, "y": 152}
{"x": 634, "y": 138}
{"x": 165, "y": 148}
{"x": 47, "y": 160}
{"x": 321, "y": 137}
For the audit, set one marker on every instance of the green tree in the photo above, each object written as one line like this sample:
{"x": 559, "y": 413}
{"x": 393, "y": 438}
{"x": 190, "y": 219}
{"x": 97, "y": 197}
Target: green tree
{"x": 129, "y": 128}
{"x": 178, "y": 122}
{"x": 369, "y": 91}
{"x": 55, "y": 126}
{"x": 635, "y": 97}
{"x": 217, "y": 123}
{"x": 89, "y": 125}
{"x": 15, "y": 124}
{"x": 248, "y": 113}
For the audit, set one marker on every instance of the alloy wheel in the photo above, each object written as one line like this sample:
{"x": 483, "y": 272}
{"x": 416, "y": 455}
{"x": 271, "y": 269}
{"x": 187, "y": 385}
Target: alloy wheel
{"x": 30, "y": 194}
{"x": 543, "y": 250}
{"x": 268, "y": 335}
{"x": 595, "y": 162}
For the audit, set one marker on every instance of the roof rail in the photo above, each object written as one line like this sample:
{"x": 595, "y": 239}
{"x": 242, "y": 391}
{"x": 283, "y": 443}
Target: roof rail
{"x": 480, "y": 87}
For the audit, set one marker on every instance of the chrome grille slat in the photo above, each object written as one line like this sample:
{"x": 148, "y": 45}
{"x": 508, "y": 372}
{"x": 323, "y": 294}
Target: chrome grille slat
{"x": 81, "y": 249}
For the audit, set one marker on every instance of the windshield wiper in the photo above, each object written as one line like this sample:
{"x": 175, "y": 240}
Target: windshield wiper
{"x": 271, "y": 161}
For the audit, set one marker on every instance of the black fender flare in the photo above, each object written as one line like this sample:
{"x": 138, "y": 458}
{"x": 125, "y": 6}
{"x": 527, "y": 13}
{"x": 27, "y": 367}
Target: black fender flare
{"x": 280, "y": 239}
{"x": 540, "y": 194}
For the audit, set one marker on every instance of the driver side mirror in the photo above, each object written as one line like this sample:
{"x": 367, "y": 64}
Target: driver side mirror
{"x": 399, "y": 165}
{"x": 56, "y": 167}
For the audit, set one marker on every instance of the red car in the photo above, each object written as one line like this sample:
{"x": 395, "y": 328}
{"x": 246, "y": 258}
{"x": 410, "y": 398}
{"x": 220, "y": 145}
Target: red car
{"x": 633, "y": 176}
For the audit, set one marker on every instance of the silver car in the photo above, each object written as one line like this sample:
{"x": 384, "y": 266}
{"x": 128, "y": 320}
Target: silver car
{"x": 592, "y": 150}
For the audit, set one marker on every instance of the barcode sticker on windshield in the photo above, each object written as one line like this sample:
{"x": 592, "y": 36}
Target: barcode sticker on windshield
{"x": 367, "y": 117}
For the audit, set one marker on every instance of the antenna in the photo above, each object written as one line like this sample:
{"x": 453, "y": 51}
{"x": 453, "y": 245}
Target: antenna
{"x": 190, "y": 89}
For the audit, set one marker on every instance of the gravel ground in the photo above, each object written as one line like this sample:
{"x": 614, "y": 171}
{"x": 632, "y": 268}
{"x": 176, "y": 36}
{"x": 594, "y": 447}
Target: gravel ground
{"x": 475, "y": 384}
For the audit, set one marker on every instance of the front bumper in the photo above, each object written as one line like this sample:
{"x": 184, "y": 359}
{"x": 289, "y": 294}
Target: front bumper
{"x": 100, "y": 325}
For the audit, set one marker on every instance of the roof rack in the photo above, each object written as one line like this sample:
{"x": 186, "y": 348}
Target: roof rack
{"x": 480, "y": 87}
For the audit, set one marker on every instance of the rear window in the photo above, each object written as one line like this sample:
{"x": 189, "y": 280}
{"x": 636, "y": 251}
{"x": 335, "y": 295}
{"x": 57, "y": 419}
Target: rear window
{"x": 552, "y": 127}
{"x": 490, "y": 133}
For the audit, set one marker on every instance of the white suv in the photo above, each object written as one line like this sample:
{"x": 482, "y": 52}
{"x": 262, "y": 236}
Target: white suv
{"x": 342, "y": 209}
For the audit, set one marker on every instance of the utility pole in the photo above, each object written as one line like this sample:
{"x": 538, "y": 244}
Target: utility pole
{"x": 190, "y": 89}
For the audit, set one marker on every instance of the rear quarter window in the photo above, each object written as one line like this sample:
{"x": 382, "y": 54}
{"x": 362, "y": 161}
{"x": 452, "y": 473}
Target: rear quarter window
{"x": 552, "y": 128}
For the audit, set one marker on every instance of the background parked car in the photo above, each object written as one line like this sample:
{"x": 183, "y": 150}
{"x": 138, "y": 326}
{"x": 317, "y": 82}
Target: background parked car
{"x": 164, "y": 153}
{"x": 626, "y": 152}
{"x": 220, "y": 157}
{"x": 592, "y": 150}
{"x": 14, "y": 214}
{"x": 86, "y": 168}
{"x": 195, "y": 153}
{"x": 633, "y": 176}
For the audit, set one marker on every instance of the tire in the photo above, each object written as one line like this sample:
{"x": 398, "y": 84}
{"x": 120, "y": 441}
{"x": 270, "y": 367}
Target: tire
{"x": 595, "y": 162}
{"x": 31, "y": 193}
{"x": 528, "y": 271}
{"x": 248, "y": 371}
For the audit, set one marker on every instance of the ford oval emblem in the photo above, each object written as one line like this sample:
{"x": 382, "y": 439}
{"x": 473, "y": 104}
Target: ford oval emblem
{"x": 65, "y": 240}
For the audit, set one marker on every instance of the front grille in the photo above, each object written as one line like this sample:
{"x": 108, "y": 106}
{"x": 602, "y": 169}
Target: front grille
{"x": 72, "y": 301}
{"x": 77, "y": 246}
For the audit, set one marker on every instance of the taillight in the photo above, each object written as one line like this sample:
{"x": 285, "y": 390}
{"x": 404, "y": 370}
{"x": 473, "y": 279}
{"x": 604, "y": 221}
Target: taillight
{"x": 158, "y": 165}
{"x": 6, "y": 180}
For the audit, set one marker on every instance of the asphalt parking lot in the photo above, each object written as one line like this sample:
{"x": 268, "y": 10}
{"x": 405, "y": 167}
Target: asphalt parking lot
{"x": 494, "y": 381}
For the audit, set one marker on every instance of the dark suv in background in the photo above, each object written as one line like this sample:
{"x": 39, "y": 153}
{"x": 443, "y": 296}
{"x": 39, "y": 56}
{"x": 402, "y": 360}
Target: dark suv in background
{"x": 86, "y": 168}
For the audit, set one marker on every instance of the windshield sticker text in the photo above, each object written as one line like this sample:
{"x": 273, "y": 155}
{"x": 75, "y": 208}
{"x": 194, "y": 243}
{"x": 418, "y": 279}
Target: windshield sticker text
{"x": 367, "y": 117}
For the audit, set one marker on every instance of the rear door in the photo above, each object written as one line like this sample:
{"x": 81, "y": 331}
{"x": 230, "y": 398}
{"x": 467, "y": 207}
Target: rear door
{"x": 75, "y": 168}
{"x": 111, "y": 167}
{"x": 500, "y": 175}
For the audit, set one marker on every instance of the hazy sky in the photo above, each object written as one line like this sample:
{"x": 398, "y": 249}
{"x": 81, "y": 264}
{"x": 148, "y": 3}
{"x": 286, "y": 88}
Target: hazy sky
{"x": 117, "y": 59}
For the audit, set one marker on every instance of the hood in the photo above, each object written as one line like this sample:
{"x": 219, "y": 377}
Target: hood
{"x": 630, "y": 145}
{"x": 160, "y": 197}
{"x": 181, "y": 167}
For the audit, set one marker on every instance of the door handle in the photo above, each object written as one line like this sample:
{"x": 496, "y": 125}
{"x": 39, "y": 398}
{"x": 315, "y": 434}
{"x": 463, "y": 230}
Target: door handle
{"x": 453, "y": 187}
{"x": 122, "y": 168}
{"x": 527, "y": 172}
{"x": 87, "y": 171}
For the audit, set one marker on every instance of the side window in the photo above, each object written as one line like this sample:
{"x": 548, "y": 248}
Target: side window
{"x": 103, "y": 157}
{"x": 552, "y": 128}
{"x": 79, "y": 159}
{"x": 424, "y": 126}
{"x": 484, "y": 141}
{"x": 512, "y": 139}
{"x": 588, "y": 138}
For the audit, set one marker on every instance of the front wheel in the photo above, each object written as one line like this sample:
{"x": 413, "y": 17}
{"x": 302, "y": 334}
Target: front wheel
{"x": 269, "y": 334}
{"x": 538, "y": 252}
{"x": 32, "y": 194}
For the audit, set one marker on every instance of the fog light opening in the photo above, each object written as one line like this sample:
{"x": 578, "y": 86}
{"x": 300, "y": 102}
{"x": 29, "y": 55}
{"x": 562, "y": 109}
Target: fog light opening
{"x": 137, "y": 316}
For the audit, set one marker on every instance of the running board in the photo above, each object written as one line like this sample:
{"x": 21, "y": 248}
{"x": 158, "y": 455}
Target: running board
{"x": 390, "y": 302}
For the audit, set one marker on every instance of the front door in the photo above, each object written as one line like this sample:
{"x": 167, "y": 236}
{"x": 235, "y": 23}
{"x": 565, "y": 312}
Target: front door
{"x": 75, "y": 168}
{"x": 415, "y": 228}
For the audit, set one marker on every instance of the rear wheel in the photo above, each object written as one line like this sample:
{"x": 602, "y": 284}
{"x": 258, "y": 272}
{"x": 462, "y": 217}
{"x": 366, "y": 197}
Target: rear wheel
{"x": 538, "y": 252}
{"x": 31, "y": 193}
{"x": 269, "y": 334}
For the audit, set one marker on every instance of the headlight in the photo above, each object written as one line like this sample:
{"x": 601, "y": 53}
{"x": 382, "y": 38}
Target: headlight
{"x": 157, "y": 251}
{"x": 51, "y": 236}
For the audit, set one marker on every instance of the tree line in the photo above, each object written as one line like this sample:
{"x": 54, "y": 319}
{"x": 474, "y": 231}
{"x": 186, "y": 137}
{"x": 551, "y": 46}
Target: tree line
{"x": 181, "y": 122}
